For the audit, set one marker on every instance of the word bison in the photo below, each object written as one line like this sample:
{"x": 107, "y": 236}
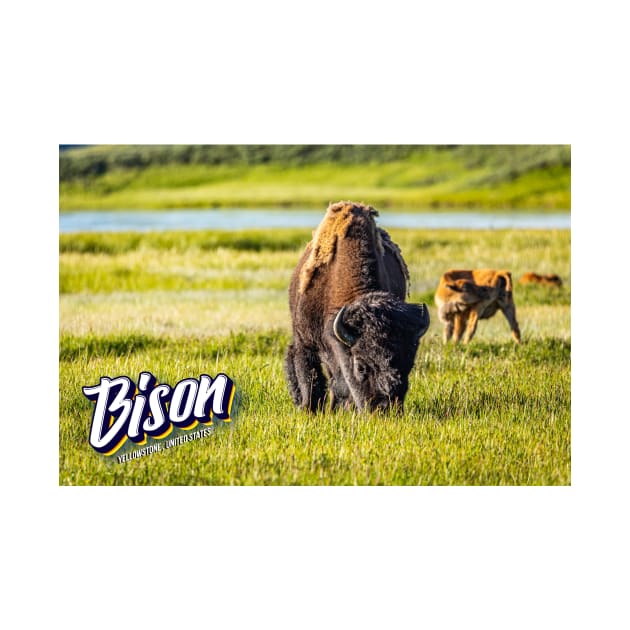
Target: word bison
{"x": 354, "y": 337}
{"x": 465, "y": 296}
{"x": 550, "y": 280}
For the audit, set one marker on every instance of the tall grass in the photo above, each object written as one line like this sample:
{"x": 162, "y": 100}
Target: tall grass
{"x": 488, "y": 413}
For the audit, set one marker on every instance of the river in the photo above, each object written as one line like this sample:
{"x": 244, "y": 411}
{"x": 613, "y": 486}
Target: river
{"x": 237, "y": 219}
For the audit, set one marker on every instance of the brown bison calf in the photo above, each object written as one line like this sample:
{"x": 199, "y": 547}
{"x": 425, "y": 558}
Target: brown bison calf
{"x": 465, "y": 296}
{"x": 550, "y": 280}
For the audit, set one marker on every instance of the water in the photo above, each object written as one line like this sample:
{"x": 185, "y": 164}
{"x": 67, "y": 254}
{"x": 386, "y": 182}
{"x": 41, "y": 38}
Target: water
{"x": 237, "y": 219}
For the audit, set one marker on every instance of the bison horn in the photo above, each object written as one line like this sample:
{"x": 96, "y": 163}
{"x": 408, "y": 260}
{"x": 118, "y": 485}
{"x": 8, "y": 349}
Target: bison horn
{"x": 340, "y": 330}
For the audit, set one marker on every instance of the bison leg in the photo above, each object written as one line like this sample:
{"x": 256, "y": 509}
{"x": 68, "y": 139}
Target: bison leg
{"x": 307, "y": 383}
{"x": 510, "y": 314}
{"x": 448, "y": 330}
{"x": 459, "y": 324}
{"x": 446, "y": 317}
{"x": 471, "y": 327}
{"x": 292, "y": 379}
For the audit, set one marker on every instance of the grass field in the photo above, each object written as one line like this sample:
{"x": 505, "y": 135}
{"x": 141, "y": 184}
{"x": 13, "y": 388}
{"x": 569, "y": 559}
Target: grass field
{"x": 521, "y": 178}
{"x": 184, "y": 303}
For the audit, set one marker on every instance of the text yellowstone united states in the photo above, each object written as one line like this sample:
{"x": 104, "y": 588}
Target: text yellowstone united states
{"x": 158, "y": 447}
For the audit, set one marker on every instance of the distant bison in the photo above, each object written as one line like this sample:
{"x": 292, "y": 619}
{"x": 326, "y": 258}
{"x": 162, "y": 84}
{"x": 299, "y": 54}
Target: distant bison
{"x": 465, "y": 296}
{"x": 550, "y": 280}
{"x": 354, "y": 337}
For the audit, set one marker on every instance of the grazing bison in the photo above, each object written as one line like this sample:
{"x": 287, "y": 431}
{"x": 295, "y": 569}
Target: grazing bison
{"x": 465, "y": 296}
{"x": 550, "y": 280}
{"x": 353, "y": 334}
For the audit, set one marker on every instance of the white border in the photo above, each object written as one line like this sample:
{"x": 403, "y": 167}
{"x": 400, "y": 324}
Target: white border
{"x": 536, "y": 72}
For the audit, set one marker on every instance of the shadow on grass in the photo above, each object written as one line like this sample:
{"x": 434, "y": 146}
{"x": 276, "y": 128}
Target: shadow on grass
{"x": 72, "y": 348}
{"x": 536, "y": 351}
{"x": 273, "y": 342}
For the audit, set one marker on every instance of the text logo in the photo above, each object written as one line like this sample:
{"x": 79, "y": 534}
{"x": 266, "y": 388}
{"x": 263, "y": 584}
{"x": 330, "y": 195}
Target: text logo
{"x": 126, "y": 410}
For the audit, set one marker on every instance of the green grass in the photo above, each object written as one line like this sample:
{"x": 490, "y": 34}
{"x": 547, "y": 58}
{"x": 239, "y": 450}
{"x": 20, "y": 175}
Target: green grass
{"x": 480, "y": 177}
{"x": 489, "y": 413}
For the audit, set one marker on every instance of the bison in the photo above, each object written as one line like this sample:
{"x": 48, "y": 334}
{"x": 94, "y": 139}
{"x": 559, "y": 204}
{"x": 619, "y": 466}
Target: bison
{"x": 465, "y": 296}
{"x": 550, "y": 280}
{"x": 354, "y": 336}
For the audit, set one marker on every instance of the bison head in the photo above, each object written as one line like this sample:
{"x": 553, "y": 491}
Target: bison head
{"x": 375, "y": 340}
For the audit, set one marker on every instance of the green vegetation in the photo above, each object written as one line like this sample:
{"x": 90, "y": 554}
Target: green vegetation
{"x": 182, "y": 303}
{"x": 404, "y": 176}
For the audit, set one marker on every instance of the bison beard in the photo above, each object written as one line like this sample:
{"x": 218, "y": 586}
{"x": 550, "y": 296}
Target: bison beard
{"x": 354, "y": 337}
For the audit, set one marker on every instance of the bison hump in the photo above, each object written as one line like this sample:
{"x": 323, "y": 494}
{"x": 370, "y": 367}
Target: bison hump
{"x": 332, "y": 229}
{"x": 391, "y": 248}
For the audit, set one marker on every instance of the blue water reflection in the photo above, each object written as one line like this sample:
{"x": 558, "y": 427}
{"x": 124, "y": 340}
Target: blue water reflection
{"x": 237, "y": 219}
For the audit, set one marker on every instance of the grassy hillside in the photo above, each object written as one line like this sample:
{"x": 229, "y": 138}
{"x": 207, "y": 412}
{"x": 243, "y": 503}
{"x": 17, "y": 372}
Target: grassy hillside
{"x": 404, "y": 176}
{"x": 183, "y": 303}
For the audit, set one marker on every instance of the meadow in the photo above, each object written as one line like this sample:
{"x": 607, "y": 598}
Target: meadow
{"x": 405, "y": 177}
{"x": 184, "y": 303}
